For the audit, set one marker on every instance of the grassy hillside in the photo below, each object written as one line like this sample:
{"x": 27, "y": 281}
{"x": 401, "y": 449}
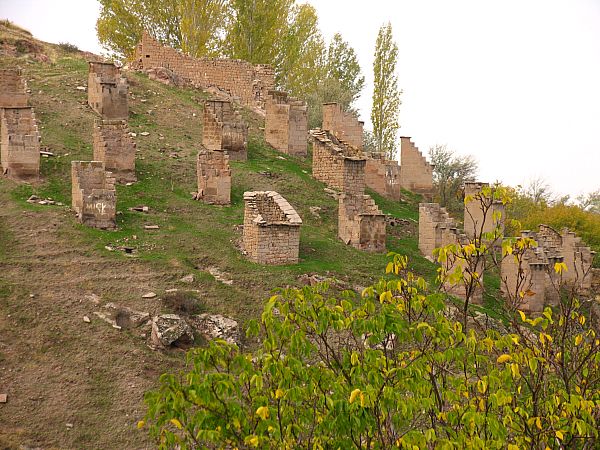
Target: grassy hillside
{"x": 77, "y": 385}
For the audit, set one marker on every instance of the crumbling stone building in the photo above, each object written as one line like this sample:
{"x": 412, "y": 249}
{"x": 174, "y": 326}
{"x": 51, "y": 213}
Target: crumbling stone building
{"x": 107, "y": 91}
{"x": 93, "y": 194}
{"x": 343, "y": 125}
{"x": 114, "y": 146}
{"x": 214, "y": 177}
{"x": 271, "y": 229}
{"x": 536, "y": 276}
{"x": 383, "y": 175}
{"x": 19, "y": 143}
{"x": 416, "y": 174}
{"x": 240, "y": 80}
{"x": 224, "y": 130}
{"x": 286, "y": 123}
{"x": 13, "y": 89}
{"x": 480, "y": 211}
{"x": 328, "y": 158}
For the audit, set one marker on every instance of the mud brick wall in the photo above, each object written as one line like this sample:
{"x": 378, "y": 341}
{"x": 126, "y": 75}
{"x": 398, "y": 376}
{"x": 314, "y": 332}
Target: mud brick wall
{"x": 474, "y": 220}
{"x": 416, "y": 174}
{"x": 93, "y": 194}
{"x": 107, "y": 91}
{"x": 328, "y": 158}
{"x": 114, "y": 147}
{"x": 383, "y": 176}
{"x": 13, "y": 89}
{"x": 345, "y": 126}
{"x": 224, "y": 129}
{"x": 214, "y": 177}
{"x": 271, "y": 229}
{"x": 286, "y": 123}
{"x": 19, "y": 143}
{"x": 241, "y": 80}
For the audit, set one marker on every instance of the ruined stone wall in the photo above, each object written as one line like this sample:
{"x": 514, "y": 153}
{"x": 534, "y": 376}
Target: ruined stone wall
{"x": 286, "y": 123}
{"x": 383, "y": 176}
{"x": 474, "y": 220}
{"x": 107, "y": 91}
{"x": 241, "y": 80}
{"x": 224, "y": 130}
{"x": 416, "y": 174}
{"x": 13, "y": 89}
{"x": 93, "y": 194}
{"x": 214, "y": 177}
{"x": 345, "y": 126}
{"x": 114, "y": 147}
{"x": 19, "y": 143}
{"x": 271, "y": 229}
{"x": 328, "y": 158}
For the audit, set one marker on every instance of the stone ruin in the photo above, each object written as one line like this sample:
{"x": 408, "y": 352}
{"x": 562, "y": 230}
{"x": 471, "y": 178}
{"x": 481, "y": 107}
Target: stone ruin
{"x": 107, "y": 91}
{"x": 383, "y": 175}
{"x": 416, "y": 174}
{"x": 224, "y": 129}
{"x": 474, "y": 221}
{"x": 13, "y": 89}
{"x": 537, "y": 279}
{"x": 286, "y": 123}
{"x": 343, "y": 125}
{"x": 114, "y": 146}
{"x": 438, "y": 229}
{"x": 360, "y": 222}
{"x": 214, "y": 177}
{"x": 93, "y": 194}
{"x": 239, "y": 80}
{"x": 271, "y": 229}
{"x": 19, "y": 143}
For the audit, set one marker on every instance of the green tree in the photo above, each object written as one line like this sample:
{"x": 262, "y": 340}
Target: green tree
{"x": 386, "y": 95}
{"x": 343, "y": 68}
{"x": 201, "y": 25}
{"x": 590, "y": 202}
{"x": 450, "y": 172}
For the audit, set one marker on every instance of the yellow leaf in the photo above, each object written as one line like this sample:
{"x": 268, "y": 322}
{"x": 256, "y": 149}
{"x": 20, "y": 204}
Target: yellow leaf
{"x": 559, "y": 435}
{"x": 177, "y": 423}
{"x": 582, "y": 319}
{"x": 262, "y": 412}
{"x": 353, "y": 394}
{"x": 559, "y": 267}
{"x": 578, "y": 339}
{"x": 279, "y": 393}
{"x": 503, "y": 358}
{"x": 522, "y": 314}
{"x": 252, "y": 440}
{"x": 141, "y": 424}
{"x": 538, "y": 423}
{"x": 513, "y": 447}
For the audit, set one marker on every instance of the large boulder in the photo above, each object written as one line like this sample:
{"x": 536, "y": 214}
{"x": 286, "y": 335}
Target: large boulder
{"x": 170, "y": 329}
{"x": 215, "y": 326}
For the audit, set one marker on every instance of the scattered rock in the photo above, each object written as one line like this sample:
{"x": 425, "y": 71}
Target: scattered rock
{"x": 81, "y": 88}
{"x": 314, "y": 210}
{"x": 170, "y": 329}
{"x": 149, "y": 295}
{"x": 86, "y": 319}
{"x": 95, "y": 299}
{"x": 144, "y": 209}
{"x": 332, "y": 193}
{"x": 219, "y": 276}
{"x": 3, "y": 398}
{"x": 69, "y": 425}
{"x": 126, "y": 317}
{"x": 144, "y": 133}
{"x": 151, "y": 227}
{"x": 215, "y": 326}
{"x": 46, "y": 154}
{"x": 188, "y": 278}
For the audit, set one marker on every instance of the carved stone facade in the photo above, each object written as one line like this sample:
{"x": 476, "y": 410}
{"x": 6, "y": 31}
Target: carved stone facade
{"x": 343, "y": 125}
{"x": 19, "y": 143}
{"x": 271, "y": 229}
{"x": 13, "y": 89}
{"x": 416, "y": 174}
{"x": 107, "y": 91}
{"x": 536, "y": 276}
{"x": 240, "y": 80}
{"x": 224, "y": 129}
{"x": 114, "y": 147}
{"x": 214, "y": 177}
{"x": 93, "y": 194}
{"x": 286, "y": 123}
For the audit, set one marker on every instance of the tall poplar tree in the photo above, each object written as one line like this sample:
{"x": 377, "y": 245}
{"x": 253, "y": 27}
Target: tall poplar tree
{"x": 386, "y": 95}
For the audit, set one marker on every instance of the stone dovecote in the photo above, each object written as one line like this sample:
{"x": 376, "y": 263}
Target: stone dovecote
{"x": 271, "y": 229}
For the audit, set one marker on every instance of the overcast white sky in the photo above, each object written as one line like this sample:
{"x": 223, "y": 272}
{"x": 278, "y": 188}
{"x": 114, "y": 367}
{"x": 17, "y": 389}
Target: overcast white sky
{"x": 516, "y": 83}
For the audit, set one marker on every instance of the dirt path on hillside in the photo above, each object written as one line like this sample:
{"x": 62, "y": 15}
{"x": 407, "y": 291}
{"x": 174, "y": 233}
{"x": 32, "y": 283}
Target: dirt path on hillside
{"x": 70, "y": 384}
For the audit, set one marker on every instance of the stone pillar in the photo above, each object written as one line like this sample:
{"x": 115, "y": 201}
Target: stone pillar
{"x": 108, "y": 91}
{"x": 13, "y": 89}
{"x": 475, "y": 222}
{"x": 19, "y": 143}
{"x": 93, "y": 194}
{"x": 224, "y": 129}
{"x": 114, "y": 147}
{"x": 214, "y": 177}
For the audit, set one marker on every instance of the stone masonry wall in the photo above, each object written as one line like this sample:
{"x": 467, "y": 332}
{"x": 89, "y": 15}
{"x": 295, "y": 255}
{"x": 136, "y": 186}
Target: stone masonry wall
{"x": 345, "y": 126}
{"x": 383, "y": 176}
{"x": 93, "y": 194}
{"x": 107, "y": 91}
{"x": 114, "y": 147}
{"x": 271, "y": 229}
{"x": 214, "y": 177}
{"x": 13, "y": 89}
{"x": 474, "y": 220}
{"x": 224, "y": 130}
{"x": 416, "y": 174}
{"x": 328, "y": 158}
{"x": 286, "y": 123}
{"x": 239, "y": 79}
{"x": 19, "y": 143}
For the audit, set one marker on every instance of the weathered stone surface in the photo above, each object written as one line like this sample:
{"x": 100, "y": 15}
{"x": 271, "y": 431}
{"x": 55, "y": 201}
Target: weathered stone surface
{"x": 93, "y": 194}
{"x": 286, "y": 123}
{"x": 224, "y": 130}
{"x": 215, "y": 326}
{"x": 214, "y": 177}
{"x": 343, "y": 125}
{"x": 165, "y": 76}
{"x": 114, "y": 146}
{"x": 13, "y": 88}
{"x": 271, "y": 228}
{"x": 416, "y": 174}
{"x": 107, "y": 91}
{"x": 239, "y": 79}
{"x": 19, "y": 143}
{"x": 170, "y": 329}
